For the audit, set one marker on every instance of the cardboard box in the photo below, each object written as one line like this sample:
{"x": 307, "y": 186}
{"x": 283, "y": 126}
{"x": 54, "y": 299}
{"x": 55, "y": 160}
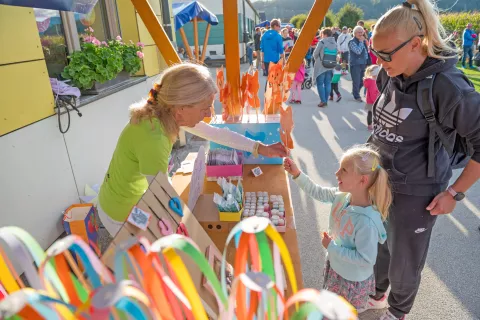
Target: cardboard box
{"x": 266, "y": 130}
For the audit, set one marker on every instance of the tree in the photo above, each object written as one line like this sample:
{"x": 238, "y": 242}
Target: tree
{"x": 298, "y": 20}
{"x": 330, "y": 19}
{"x": 349, "y": 15}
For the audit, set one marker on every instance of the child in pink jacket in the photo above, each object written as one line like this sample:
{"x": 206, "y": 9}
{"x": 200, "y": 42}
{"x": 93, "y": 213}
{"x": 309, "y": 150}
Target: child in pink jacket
{"x": 297, "y": 84}
{"x": 370, "y": 84}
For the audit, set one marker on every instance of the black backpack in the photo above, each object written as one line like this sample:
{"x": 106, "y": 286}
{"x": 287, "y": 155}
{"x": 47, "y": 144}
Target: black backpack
{"x": 329, "y": 59}
{"x": 460, "y": 150}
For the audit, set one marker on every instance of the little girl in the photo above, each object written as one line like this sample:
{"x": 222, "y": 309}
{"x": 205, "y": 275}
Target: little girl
{"x": 370, "y": 84}
{"x": 360, "y": 204}
{"x": 297, "y": 84}
{"x": 337, "y": 73}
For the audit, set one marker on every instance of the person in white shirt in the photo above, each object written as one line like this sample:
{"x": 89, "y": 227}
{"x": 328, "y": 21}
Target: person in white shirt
{"x": 342, "y": 44}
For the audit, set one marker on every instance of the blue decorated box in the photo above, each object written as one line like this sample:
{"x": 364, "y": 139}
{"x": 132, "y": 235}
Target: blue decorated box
{"x": 265, "y": 129}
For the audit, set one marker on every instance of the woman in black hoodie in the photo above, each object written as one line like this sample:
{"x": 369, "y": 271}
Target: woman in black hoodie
{"x": 412, "y": 53}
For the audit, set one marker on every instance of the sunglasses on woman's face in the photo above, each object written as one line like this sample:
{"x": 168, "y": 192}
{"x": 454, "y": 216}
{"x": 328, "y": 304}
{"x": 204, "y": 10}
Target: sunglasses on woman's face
{"x": 387, "y": 56}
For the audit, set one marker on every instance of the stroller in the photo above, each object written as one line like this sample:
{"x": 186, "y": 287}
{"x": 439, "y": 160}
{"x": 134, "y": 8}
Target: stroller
{"x": 307, "y": 82}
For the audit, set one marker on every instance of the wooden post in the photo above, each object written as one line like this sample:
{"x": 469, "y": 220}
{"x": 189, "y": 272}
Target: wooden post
{"x": 317, "y": 13}
{"x": 232, "y": 56}
{"x": 156, "y": 31}
{"x": 185, "y": 43}
{"x": 195, "y": 37}
{"x": 205, "y": 42}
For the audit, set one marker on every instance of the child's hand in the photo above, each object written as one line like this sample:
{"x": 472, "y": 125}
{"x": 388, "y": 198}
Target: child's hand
{"x": 326, "y": 239}
{"x": 291, "y": 167}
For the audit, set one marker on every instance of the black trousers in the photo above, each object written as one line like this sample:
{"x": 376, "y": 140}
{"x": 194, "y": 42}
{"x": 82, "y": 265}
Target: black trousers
{"x": 335, "y": 88}
{"x": 369, "y": 118}
{"x": 401, "y": 258}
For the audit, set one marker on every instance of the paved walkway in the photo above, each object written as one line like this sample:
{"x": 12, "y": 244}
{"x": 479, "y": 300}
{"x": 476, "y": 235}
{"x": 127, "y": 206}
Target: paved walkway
{"x": 450, "y": 288}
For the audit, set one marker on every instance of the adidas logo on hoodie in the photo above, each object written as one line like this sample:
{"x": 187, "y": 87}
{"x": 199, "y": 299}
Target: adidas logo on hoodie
{"x": 388, "y": 117}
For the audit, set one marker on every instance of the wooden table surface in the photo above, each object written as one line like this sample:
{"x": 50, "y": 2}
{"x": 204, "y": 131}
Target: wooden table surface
{"x": 274, "y": 180}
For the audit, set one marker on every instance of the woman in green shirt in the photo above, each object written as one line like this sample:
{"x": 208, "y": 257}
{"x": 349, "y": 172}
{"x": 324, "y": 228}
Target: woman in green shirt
{"x": 182, "y": 97}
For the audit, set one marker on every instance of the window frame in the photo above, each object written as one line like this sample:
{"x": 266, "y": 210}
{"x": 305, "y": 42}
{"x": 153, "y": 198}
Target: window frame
{"x": 70, "y": 29}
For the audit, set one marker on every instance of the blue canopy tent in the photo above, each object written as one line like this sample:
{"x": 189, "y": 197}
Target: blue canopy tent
{"x": 185, "y": 12}
{"x": 263, "y": 24}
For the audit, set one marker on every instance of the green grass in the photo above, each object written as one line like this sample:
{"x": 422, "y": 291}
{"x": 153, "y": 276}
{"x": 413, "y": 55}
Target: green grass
{"x": 473, "y": 75}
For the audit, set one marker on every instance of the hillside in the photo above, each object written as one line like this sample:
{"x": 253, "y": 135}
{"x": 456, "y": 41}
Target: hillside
{"x": 285, "y": 9}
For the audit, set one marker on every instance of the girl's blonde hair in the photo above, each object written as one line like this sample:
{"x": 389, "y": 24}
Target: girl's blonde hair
{"x": 181, "y": 85}
{"x": 413, "y": 22}
{"x": 371, "y": 71}
{"x": 366, "y": 161}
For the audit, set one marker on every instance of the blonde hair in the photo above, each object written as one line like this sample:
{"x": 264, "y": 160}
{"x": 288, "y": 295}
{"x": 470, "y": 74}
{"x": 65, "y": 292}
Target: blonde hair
{"x": 371, "y": 71}
{"x": 181, "y": 85}
{"x": 366, "y": 161}
{"x": 413, "y": 22}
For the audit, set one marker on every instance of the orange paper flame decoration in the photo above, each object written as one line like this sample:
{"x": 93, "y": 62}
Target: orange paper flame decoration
{"x": 286, "y": 126}
{"x": 231, "y": 105}
{"x": 278, "y": 89}
{"x": 252, "y": 91}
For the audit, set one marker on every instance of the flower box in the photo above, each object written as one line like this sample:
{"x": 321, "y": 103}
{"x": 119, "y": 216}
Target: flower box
{"x": 100, "y": 87}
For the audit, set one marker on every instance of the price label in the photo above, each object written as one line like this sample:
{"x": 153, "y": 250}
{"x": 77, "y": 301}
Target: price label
{"x": 139, "y": 218}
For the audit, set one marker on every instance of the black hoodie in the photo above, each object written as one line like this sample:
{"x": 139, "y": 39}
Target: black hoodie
{"x": 401, "y": 131}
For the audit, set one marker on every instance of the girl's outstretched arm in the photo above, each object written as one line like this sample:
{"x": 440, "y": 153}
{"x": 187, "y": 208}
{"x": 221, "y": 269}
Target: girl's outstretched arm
{"x": 315, "y": 191}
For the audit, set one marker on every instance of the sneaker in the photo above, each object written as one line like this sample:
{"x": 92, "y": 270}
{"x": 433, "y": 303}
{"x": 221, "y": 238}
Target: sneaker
{"x": 339, "y": 98}
{"x": 389, "y": 316}
{"x": 331, "y": 98}
{"x": 298, "y": 101}
{"x": 322, "y": 105}
{"x": 359, "y": 100}
{"x": 370, "y": 128}
{"x": 373, "y": 304}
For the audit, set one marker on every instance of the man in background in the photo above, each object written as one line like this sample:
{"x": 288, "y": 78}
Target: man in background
{"x": 256, "y": 40}
{"x": 342, "y": 44}
{"x": 271, "y": 45}
{"x": 468, "y": 38}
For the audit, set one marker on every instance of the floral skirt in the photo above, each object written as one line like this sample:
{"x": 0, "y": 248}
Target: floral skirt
{"x": 355, "y": 292}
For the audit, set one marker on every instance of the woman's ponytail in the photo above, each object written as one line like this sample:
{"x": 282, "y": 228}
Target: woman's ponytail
{"x": 412, "y": 17}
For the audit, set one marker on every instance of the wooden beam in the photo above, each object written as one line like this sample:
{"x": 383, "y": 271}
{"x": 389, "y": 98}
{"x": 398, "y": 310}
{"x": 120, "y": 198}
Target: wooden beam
{"x": 185, "y": 43}
{"x": 318, "y": 11}
{"x": 232, "y": 56}
{"x": 205, "y": 42}
{"x": 156, "y": 31}
{"x": 195, "y": 37}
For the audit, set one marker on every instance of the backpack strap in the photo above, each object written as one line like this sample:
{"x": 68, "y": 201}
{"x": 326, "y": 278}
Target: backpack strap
{"x": 427, "y": 107}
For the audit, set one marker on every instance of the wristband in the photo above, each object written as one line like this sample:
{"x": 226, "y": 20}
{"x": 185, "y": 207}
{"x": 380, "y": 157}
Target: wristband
{"x": 255, "y": 149}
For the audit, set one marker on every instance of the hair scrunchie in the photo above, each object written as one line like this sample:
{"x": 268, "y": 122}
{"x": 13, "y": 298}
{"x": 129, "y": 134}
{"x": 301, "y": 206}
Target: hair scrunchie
{"x": 153, "y": 93}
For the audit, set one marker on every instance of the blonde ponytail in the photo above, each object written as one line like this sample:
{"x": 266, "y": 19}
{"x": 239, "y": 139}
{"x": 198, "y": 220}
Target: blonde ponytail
{"x": 412, "y": 21}
{"x": 366, "y": 161}
{"x": 380, "y": 193}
